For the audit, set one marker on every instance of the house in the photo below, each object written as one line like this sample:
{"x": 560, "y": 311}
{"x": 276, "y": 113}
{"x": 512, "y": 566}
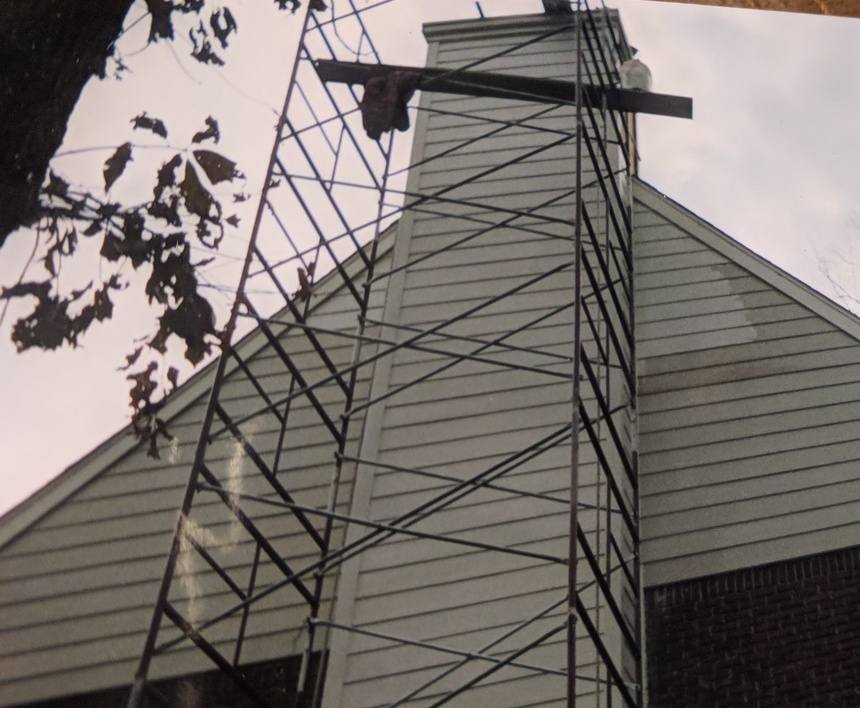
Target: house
{"x": 381, "y": 507}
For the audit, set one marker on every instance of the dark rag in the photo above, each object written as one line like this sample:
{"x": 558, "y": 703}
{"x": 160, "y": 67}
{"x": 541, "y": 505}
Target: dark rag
{"x": 383, "y": 105}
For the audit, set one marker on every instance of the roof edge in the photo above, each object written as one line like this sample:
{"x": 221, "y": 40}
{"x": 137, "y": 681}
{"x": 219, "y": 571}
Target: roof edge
{"x": 486, "y": 27}
{"x": 749, "y": 260}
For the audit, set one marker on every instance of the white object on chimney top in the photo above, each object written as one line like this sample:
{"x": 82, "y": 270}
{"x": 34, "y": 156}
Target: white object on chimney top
{"x": 635, "y": 75}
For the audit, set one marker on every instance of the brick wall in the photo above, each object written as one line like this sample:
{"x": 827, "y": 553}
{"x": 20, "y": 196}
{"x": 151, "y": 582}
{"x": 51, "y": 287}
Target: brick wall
{"x": 786, "y": 634}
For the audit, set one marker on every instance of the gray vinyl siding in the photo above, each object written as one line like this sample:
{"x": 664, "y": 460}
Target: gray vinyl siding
{"x": 748, "y": 405}
{"x": 466, "y": 418}
{"x": 77, "y": 589}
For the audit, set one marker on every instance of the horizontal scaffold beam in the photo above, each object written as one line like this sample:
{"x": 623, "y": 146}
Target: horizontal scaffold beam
{"x": 523, "y": 88}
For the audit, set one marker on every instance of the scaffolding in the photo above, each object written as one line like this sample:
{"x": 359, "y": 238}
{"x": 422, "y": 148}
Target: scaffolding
{"x": 331, "y": 204}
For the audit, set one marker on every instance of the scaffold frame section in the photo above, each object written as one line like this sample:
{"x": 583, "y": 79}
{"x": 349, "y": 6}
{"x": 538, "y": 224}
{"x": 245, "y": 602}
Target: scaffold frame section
{"x": 267, "y": 549}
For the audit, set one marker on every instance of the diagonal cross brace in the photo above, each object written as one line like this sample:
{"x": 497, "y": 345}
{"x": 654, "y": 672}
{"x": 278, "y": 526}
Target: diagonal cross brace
{"x": 521, "y": 88}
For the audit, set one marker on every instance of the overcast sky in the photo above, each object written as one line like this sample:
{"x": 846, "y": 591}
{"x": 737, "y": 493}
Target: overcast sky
{"x": 771, "y": 158}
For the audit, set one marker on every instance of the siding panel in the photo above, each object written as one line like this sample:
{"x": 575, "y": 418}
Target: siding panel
{"x": 78, "y": 588}
{"x": 468, "y": 417}
{"x": 747, "y": 406}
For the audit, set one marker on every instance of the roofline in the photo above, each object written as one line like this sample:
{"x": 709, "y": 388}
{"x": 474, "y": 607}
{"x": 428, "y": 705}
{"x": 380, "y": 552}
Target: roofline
{"x": 42, "y": 501}
{"x": 722, "y": 243}
{"x": 513, "y": 21}
{"x": 486, "y": 27}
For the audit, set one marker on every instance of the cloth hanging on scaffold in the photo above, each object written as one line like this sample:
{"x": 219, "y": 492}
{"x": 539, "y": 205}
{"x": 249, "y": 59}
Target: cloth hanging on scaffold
{"x": 383, "y": 106}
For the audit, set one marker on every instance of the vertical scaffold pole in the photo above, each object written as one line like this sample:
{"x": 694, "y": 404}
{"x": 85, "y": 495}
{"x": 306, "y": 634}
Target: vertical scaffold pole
{"x": 576, "y": 394}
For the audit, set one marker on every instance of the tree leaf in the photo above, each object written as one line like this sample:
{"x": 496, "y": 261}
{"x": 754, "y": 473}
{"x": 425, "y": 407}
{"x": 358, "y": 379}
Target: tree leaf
{"x": 204, "y": 232}
{"x": 173, "y": 377}
{"x": 133, "y": 244}
{"x": 166, "y": 176}
{"x": 50, "y": 325}
{"x": 191, "y": 321}
{"x": 78, "y": 294}
{"x": 46, "y": 327}
{"x": 69, "y": 242}
{"x": 48, "y": 260}
{"x": 198, "y": 200}
{"x": 161, "y": 25}
{"x": 102, "y": 307}
{"x": 56, "y": 187}
{"x": 167, "y": 210}
{"x": 115, "y": 165}
{"x": 119, "y": 66}
{"x": 174, "y": 240}
{"x": 130, "y": 359}
{"x": 63, "y": 246}
{"x": 161, "y": 208}
{"x": 144, "y": 419}
{"x": 292, "y": 4}
{"x": 38, "y": 290}
{"x": 172, "y": 275}
{"x": 233, "y": 220}
{"x": 217, "y": 167}
{"x": 205, "y": 55}
{"x": 129, "y": 242}
{"x": 144, "y": 122}
{"x": 111, "y": 249}
{"x": 143, "y": 388}
{"x": 190, "y": 6}
{"x": 202, "y": 51}
{"x": 223, "y": 24}
{"x": 210, "y": 132}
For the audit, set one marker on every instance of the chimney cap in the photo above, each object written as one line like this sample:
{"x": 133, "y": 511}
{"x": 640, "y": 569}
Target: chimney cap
{"x": 557, "y": 7}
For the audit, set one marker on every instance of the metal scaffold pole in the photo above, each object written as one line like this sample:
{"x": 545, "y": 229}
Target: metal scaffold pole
{"x": 576, "y": 397}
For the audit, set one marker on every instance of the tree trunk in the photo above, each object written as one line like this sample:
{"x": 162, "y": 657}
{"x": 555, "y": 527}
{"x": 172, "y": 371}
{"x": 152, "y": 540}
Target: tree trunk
{"x": 50, "y": 50}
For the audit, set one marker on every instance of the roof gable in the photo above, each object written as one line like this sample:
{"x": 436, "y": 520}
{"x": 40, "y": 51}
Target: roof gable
{"x": 710, "y": 236}
{"x": 749, "y": 401}
{"x": 123, "y": 442}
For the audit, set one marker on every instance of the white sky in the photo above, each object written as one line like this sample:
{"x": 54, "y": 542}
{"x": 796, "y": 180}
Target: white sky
{"x": 770, "y": 158}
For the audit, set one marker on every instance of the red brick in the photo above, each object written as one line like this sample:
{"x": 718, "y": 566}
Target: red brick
{"x": 786, "y": 634}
